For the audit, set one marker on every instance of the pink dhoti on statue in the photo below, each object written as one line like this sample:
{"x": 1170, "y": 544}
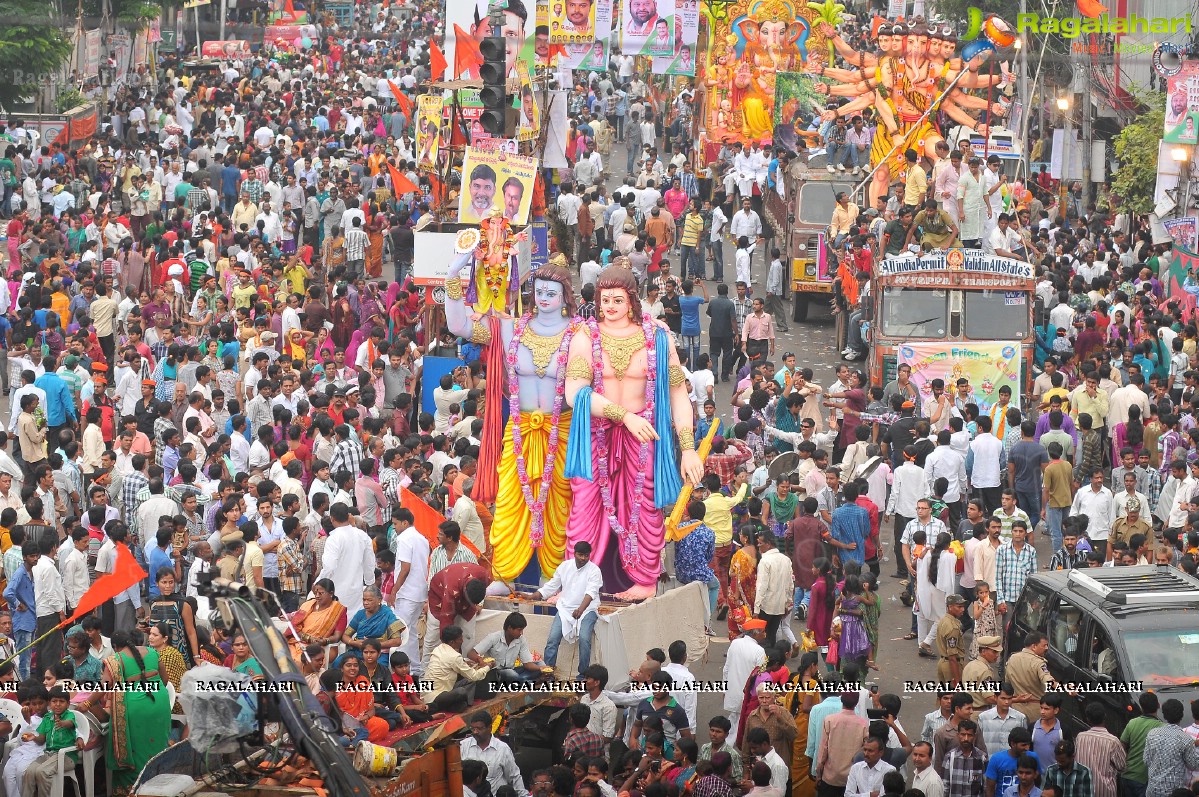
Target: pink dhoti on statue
{"x": 589, "y": 522}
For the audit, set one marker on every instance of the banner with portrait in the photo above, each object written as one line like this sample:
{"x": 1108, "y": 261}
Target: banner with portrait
{"x": 1184, "y": 232}
{"x": 571, "y": 21}
{"x": 589, "y": 57}
{"x": 529, "y": 124}
{"x": 1182, "y": 105}
{"x": 231, "y": 49}
{"x": 496, "y": 180}
{"x": 988, "y": 366}
{"x": 798, "y": 105}
{"x": 647, "y": 27}
{"x": 428, "y": 129}
{"x": 686, "y": 24}
{"x": 469, "y": 21}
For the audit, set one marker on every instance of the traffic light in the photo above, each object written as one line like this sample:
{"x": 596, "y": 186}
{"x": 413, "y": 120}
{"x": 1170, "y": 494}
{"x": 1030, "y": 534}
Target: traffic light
{"x": 494, "y": 94}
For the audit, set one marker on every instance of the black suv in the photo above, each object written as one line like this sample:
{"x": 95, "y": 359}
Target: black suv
{"x": 1110, "y": 627}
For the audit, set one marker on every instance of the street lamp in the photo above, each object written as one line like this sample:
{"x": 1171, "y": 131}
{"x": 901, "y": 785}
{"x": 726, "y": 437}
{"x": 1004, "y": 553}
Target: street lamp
{"x": 1063, "y": 104}
{"x": 1180, "y": 154}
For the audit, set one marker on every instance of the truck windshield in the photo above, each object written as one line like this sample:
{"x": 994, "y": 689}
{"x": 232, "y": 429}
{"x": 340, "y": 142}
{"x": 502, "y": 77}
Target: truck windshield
{"x": 1164, "y": 658}
{"x": 914, "y": 312}
{"x": 996, "y": 315}
{"x": 817, "y": 200}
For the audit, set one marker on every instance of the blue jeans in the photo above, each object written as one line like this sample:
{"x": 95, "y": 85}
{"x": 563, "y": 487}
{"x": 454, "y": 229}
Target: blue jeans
{"x": 713, "y": 595}
{"x": 1054, "y": 516}
{"x": 716, "y": 248}
{"x": 691, "y": 345}
{"x": 838, "y": 154}
{"x": 1133, "y": 789}
{"x": 1030, "y": 503}
{"x": 801, "y": 597}
{"x": 692, "y": 263}
{"x": 360, "y": 735}
{"x": 854, "y": 332}
{"x": 586, "y": 626}
{"x": 21, "y": 639}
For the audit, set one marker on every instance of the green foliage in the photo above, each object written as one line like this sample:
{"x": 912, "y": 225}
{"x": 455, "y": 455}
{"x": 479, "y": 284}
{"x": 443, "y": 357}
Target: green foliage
{"x": 66, "y": 100}
{"x": 32, "y": 49}
{"x": 133, "y": 14}
{"x": 1136, "y": 149}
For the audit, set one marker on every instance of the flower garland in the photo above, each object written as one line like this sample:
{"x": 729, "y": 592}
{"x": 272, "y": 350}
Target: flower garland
{"x": 627, "y": 536}
{"x": 536, "y": 505}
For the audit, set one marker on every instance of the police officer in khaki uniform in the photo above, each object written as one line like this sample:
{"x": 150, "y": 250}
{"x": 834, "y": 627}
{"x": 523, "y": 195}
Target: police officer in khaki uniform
{"x": 1029, "y": 675}
{"x": 981, "y": 670}
{"x": 949, "y": 641}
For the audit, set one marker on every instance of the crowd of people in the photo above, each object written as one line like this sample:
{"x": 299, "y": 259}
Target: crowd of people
{"x": 213, "y": 355}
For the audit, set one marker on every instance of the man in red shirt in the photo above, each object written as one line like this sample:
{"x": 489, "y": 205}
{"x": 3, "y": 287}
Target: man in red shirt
{"x": 456, "y": 595}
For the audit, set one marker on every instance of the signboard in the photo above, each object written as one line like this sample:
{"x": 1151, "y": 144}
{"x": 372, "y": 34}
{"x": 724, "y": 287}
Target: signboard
{"x": 428, "y": 130}
{"x": 988, "y": 366}
{"x": 967, "y": 261}
{"x": 168, "y": 41}
{"x": 232, "y": 49}
{"x": 470, "y": 108}
{"x": 432, "y": 253}
{"x": 93, "y": 45}
{"x": 539, "y": 234}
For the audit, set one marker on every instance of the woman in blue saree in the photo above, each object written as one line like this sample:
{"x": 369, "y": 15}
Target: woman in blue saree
{"x": 374, "y": 620}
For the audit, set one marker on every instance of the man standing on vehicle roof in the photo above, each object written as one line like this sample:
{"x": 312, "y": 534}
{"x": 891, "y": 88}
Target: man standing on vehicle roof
{"x": 1029, "y": 674}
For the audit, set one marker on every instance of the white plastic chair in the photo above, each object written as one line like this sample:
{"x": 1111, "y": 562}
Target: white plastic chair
{"x": 171, "y": 695}
{"x": 66, "y": 767}
{"x": 11, "y": 711}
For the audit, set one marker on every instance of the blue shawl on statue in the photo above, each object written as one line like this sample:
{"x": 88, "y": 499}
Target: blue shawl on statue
{"x": 667, "y": 480}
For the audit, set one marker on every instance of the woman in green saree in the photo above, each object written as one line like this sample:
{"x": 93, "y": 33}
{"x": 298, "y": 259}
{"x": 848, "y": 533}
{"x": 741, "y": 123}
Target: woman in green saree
{"x": 144, "y": 707}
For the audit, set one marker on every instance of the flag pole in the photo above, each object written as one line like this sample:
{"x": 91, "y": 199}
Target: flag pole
{"x": 16, "y": 655}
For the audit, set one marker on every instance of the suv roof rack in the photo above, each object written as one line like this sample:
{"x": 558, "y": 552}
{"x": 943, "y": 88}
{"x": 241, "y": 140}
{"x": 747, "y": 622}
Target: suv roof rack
{"x": 1130, "y": 586}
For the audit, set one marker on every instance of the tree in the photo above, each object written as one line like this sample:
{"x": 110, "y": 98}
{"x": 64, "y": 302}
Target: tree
{"x": 32, "y": 49}
{"x": 1136, "y": 149}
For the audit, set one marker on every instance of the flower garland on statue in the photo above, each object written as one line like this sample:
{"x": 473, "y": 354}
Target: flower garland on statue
{"x": 536, "y": 505}
{"x": 627, "y": 536}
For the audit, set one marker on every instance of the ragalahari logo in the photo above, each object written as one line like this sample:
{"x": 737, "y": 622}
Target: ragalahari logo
{"x": 974, "y": 16}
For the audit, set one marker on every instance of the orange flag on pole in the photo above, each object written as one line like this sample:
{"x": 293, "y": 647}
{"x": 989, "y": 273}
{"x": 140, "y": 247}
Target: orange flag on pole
{"x": 426, "y": 519}
{"x": 125, "y": 573}
{"x": 467, "y": 56}
{"x": 437, "y": 62}
{"x": 399, "y": 183}
{"x": 404, "y": 101}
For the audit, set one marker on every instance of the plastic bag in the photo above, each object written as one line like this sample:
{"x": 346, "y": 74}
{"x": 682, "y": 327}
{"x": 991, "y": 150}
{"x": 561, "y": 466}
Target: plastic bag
{"x": 218, "y": 707}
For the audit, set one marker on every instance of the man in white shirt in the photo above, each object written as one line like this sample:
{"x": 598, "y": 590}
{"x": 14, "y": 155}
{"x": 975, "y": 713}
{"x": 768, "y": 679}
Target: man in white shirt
{"x": 411, "y": 580}
{"x": 50, "y": 600}
{"x": 482, "y": 746}
{"x": 1004, "y": 241}
{"x": 348, "y": 560}
{"x": 866, "y": 777}
{"x": 987, "y": 464}
{"x": 687, "y": 698}
{"x": 73, "y": 566}
{"x": 745, "y": 653}
{"x": 578, "y": 580}
{"x": 1095, "y": 501}
{"x": 924, "y": 774}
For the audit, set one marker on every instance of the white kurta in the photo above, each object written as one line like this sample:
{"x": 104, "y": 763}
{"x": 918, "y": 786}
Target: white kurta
{"x": 349, "y": 561}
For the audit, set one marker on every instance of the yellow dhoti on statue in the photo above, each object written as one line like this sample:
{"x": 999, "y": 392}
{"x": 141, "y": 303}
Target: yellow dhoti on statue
{"x": 511, "y": 547}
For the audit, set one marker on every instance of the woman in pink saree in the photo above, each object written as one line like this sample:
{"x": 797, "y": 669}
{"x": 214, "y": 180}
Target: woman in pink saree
{"x": 630, "y": 402}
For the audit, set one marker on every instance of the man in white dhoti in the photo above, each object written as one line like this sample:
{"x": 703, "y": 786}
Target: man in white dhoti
{"x": 348, "y": 559}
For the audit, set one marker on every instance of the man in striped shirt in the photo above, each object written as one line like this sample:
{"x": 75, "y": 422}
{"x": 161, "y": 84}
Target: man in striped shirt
{"x": 357, "y": 246}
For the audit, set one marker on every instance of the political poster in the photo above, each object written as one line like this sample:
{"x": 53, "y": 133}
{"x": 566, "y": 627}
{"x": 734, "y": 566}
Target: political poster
{"x": 571, "y": 21}
{"x": 93, "y": 47}
{"x": 467, "y": 24}
{"x": 428, "y": 129}
{"x": 589, "y": 57}
{"x": 530, "y": 116}
{"x": 1182, "y": 105}
{"x": 1184, "y": 232}
{"x": 682, "y": 60}
{"x": 647, "y": 27}
{"x": 988, "y": 366}
{"x": 496, "y": 180}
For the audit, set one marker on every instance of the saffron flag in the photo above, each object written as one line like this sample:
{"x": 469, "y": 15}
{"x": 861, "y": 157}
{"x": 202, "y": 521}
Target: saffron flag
{"x": 399, "y": 183}
{"x": 125, "y": 573}
{"x": 437, "y": 62}
{"x": 404, "y": 101}
{"x": 467, "y": 56}
{"x": 425, "y": 519}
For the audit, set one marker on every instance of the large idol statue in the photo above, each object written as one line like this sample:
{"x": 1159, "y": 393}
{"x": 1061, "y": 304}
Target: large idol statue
{"x": 533, "y": 497}
{"x": 627, "y": 389}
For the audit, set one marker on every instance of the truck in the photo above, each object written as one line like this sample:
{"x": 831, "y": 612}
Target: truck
{"x": 954, "y": 313}
{"x": 801, "y": 221}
